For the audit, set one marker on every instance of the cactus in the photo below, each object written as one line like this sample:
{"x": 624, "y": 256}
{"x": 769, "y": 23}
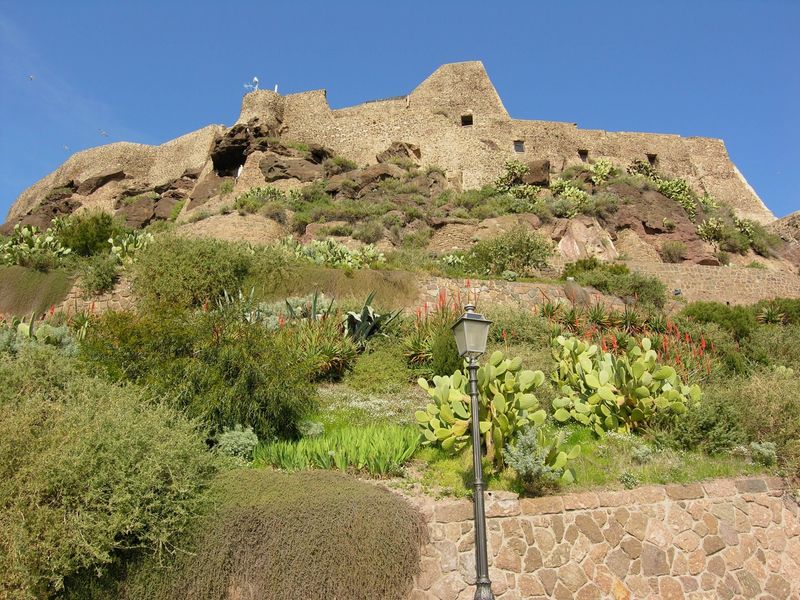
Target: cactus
{"x": 506, "y": 404}
{"x": 615, "y": 393}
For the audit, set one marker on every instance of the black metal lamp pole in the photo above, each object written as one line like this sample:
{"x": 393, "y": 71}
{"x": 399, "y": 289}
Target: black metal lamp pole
{"x": 483, "y": 587}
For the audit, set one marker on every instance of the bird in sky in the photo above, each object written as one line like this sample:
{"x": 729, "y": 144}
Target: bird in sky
{"x": 103, "y": 132}
{"x": 66, "y": 147}
{"x": 31, "y": 77}
{"x": 252, "y": 86}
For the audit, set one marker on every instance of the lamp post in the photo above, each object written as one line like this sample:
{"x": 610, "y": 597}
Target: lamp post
{"x": 471, "y": 331}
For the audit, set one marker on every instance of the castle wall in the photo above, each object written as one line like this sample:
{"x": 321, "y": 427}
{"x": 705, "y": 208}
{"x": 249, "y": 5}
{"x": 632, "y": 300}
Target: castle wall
{"x": 430, "y": 117}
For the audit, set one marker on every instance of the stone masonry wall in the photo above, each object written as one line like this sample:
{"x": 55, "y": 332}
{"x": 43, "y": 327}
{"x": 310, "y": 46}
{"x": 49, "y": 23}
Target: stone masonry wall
{"x": 720, "y": 539}
{"x": 430, "y": 117}
{"x": 721, "y": 284}
{"x": 737, "y": 285}
{"x": 119, "y": 298}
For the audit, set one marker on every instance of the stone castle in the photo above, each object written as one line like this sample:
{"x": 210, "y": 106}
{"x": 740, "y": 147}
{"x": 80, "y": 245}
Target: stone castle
{"x": 455, "y": 118}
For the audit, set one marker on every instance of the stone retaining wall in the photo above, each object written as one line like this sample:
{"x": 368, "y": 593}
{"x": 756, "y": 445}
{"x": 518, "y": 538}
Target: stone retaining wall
{"x": 511, "y": 293}
{"x": 737, "y": 285}
{"x": 119, "y": 298}
{"x": 720, "y": 539}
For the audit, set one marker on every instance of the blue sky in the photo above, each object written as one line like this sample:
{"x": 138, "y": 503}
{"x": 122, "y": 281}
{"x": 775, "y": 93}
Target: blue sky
{"x": 149, "y": 71}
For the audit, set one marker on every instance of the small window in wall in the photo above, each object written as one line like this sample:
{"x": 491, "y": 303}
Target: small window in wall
{"x": 584, "y": 155}
{"x": 652, "y": 159}
{"x": 519, "y": 146}
{"x": 466, "y": 120}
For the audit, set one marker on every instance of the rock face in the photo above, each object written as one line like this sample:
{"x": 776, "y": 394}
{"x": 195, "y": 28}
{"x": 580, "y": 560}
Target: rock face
{"x": 400, "y": 151}
{"x": 92, "y": 184}
{"x": 538, "y": 173}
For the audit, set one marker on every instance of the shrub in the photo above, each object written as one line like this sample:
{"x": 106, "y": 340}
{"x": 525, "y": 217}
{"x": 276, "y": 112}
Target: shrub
{"x": 255, "y": 198}
{"x": 768, "y": 406}
{"x": 238, "y": 442}
{"x": 265, "y": 521}
{"x": 506, "y": 404}
{"x": 711, "y": 426}
{"x": 369, "y": 232}
{"x": 99, "y": 274}
{"x": 539, "y": 461}
{"x": 178, "y": 271}
{"x": 326, "y": 349}
{"x": 519, "y": 250}
{"x": 89, "y": 472}
{"x": 382, "y": 369}
{"x": 376, "y": 449}
{"x": 226, "y": 187}
{"x": 616, "y": 392}
{"x": 763, "y": 453}
{"x": 221, "y": 370}
{"x": 333, "y": 254}
{"x": 673, "y": 251}
{"x": 617, "y": 280}
{"x": 444, "y": 354}
{"x": 737, "y": 319}
{"x": 87, "y": 233}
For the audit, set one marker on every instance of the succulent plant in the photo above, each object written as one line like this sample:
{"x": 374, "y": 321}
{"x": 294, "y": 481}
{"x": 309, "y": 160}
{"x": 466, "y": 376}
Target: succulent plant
{"x": 616, "y": 393}
{"x": 506, "y": 404}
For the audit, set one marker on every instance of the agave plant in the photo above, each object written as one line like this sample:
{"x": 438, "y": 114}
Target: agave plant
{"x": 361, "y": 326}
{"x": 771, "y": 315}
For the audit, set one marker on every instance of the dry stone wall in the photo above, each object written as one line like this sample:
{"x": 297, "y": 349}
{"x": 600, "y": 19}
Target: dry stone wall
{"x": 736, "y": 285}
{"x": 119, "y": 298}
{"x": 721, "y": 539}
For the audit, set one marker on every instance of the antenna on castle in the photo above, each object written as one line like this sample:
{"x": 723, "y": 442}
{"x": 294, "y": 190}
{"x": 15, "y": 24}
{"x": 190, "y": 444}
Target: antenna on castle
{"x": 252, "y": 86}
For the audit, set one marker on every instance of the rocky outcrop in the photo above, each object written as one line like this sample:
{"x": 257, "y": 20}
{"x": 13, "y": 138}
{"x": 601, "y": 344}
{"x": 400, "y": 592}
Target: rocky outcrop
{"x": 92, "y": 184}
{"x": 538, "y": 173}
{"x": 400, "y": 151}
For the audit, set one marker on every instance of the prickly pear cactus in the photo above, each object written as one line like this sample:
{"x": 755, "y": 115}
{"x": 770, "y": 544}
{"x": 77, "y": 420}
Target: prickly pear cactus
{"x": 615, "y": 393}
{"x": 506, "y": 404}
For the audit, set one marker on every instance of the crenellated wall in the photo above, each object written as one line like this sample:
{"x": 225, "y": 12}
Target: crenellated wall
{"x": 719, "y": 539}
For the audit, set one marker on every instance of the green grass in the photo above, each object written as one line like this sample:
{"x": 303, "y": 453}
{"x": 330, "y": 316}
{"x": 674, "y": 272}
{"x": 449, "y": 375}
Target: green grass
{"x": 602, "y": 464}
{"x": 24, "y": 291}
{"x": 604, "y": 461}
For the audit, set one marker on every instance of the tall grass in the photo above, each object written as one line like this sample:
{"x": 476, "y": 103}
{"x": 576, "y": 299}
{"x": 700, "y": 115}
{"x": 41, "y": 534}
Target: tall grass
{"x": 375, "y": 449}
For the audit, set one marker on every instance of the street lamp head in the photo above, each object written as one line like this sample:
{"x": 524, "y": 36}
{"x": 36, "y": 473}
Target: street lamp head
{"x": 471, "y": 331}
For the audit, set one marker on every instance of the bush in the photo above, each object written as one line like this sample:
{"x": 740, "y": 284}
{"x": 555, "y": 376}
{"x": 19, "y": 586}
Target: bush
{"x": 739, "y": 320}
{"x": 768, "y": 406}
{"x": 444, "y": 354}
{"x": 267, "y": 521}
{"x": 711, "y": 426}
{"x": 221, "y": 370}
{"x": 673, "y": 251}
{"x": 89, "y": 472}
{"x": 369, "y": 232}
{"x": 541, "y": 462}
{"x": 238, "y": 442}
{"x": 617, "y": 280}
{"x": 519, "y": 250}
{"x": 87, "y": 233}
{"x": 382, "y": 369}
{"x": 98, "y": 274}
{"x": 176, "y": 271}
{"x": 255, "y": 198}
